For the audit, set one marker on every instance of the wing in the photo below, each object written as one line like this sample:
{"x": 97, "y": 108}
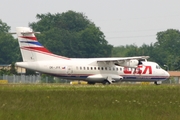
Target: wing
{"x": 125, "y": 61}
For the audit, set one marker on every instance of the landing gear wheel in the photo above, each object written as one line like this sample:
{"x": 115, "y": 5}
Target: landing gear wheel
{"x": 105, "y": 82}
{"x": 91, "y": 83}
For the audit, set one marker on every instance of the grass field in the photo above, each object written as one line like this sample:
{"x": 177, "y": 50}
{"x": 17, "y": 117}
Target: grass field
{"x": 88, "y": 102}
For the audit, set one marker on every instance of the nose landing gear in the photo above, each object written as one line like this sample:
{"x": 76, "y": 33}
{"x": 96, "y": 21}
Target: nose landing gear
{"x": 157, "y": 82}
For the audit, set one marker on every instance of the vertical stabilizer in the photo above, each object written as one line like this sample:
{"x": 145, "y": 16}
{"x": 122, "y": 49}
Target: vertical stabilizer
{"x": 31, "y": 49}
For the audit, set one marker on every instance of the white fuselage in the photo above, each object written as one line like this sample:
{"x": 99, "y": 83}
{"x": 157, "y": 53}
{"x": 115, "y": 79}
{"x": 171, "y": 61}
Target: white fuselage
{"x": 92, "y": 71}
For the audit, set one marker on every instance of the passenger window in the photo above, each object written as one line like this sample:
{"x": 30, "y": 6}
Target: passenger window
{"x": 94, "y": 68}
{"x": 84, "y": 68}
{"x": 113, "y": 68}
{"x": 76, "y": 68}
{"x": 116, "y": 69}
{"x": 98, "y": 68}
{"x": 87, "y": 68}
{"x": 109, "y": 68}
{"x": 91, "y": 68}
{"x": 120, "y": 69}
{"x": 105, "y": 68}
{"x": 80, "y": 68}
{"x": 101, "y": 68}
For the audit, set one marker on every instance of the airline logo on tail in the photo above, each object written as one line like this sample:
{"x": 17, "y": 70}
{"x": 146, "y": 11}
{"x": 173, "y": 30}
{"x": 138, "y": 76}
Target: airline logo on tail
{"x": 31, "y": 49}
{"x": 32, "y": 44}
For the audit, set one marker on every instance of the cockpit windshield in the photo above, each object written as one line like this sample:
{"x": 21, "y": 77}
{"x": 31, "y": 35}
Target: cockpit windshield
{"x": 158, "y": 67}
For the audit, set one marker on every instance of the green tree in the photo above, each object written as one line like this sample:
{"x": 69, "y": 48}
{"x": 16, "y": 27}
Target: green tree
{"x": 165, "y": 51}
{"x": 4, "y": 27}
{"x": 167, "y": 48}
{"x": 126, "y": 51}
{"x": 119, "y": 51}
{"x": 71, "y": 34}
{"x": 13, "y": 69}
{"x": 9, "y": 48}
{"x": 4, "y": 72}
{"x": 148, "y": 50}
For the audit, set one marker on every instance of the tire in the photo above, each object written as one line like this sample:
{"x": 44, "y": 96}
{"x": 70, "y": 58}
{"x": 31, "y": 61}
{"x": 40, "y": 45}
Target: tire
{"x": 156, "y": 83}
{"x": 105, "y": 82}
{"x": 91, "y": 83}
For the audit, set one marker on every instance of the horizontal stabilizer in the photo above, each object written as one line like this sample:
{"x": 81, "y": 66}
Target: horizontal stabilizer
{"x": 30, "y": 32}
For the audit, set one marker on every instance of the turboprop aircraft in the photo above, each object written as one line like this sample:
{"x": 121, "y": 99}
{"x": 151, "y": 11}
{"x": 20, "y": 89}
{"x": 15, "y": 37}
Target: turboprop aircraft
{"x": 93, "y": 70}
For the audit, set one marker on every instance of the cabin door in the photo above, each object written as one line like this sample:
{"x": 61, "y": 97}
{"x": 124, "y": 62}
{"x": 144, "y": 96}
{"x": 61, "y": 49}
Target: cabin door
{"x": 69, "y": 70}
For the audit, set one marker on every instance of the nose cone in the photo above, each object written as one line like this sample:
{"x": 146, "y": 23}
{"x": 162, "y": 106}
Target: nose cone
{"x": 167, "y": 75}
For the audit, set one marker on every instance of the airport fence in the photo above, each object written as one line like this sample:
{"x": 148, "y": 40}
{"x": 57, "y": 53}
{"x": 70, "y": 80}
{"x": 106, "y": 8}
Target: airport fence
{"x": 33, "y": 79}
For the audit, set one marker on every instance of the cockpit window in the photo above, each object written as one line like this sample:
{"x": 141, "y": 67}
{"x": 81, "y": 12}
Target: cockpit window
{"x": 158, "y": 67}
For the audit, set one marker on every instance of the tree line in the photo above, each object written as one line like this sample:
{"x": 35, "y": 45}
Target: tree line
{"x": 72, "y": 34}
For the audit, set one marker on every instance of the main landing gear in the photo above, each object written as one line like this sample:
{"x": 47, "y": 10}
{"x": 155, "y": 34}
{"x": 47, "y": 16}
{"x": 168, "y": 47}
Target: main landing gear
{"x": 105, "y": 82}
{"x": 91, "y": 83}
{"x": 157, "y": 82}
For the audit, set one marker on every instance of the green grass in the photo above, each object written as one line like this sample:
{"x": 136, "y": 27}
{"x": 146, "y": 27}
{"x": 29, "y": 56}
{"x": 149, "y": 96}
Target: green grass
{"x": 87, "y": 102}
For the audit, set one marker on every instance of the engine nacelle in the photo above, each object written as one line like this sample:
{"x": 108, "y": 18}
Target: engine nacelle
{"x": 102, "y": 77}
{"x": 130, "y": 63}
{"x": 116, "y": 77}
{"x": 96, "y": 77}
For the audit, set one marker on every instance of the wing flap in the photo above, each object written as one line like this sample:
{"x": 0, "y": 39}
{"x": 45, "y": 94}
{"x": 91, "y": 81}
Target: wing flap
{"x": 122, "y": 61}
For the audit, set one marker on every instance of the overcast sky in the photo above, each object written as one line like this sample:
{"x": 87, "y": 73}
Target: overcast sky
{"x": 122, "y": 21}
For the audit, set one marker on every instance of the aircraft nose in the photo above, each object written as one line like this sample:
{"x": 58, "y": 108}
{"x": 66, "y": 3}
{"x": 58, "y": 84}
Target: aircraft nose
{"x": 167, "y": 74}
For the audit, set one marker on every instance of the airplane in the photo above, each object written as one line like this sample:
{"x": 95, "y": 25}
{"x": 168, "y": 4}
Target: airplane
{"x": 93, "y": 70}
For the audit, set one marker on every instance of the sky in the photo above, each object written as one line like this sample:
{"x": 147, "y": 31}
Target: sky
{"x": 123, "y": 22}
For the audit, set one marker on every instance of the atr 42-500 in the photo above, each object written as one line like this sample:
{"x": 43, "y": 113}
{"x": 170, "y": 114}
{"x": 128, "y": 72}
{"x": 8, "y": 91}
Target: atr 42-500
{"x": 93, "y": 70}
